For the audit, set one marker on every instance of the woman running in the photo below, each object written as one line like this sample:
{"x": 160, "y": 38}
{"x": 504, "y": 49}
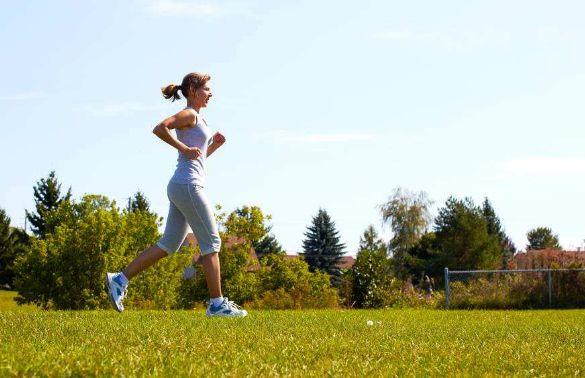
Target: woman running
{"x": 188, "y": 204}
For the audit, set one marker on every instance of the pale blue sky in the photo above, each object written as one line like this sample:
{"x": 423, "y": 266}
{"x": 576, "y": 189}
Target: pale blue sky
{"x": 324, "y": 104}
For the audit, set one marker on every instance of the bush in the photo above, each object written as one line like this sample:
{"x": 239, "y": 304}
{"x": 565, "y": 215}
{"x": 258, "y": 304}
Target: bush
{"x": 400, "y": 294}
{"x": 66, "y": 270}
{"x": 519, "y": 291}
{"x": 288, "y": 284}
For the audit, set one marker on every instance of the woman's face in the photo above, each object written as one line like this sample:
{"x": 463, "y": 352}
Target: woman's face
{"x": 202, "y": 95}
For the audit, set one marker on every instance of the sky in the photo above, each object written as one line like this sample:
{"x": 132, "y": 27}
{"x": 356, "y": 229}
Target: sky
{"x": 324, "y": 104}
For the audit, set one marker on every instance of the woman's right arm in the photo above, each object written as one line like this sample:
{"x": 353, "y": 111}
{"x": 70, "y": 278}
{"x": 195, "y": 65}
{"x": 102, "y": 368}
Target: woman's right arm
{"x": 181, "y": 119}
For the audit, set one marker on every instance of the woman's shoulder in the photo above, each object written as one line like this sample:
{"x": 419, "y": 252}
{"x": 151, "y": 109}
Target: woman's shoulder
{"x": 190, "y": 115}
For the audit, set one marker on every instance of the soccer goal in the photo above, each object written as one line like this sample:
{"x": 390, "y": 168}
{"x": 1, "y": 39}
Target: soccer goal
{"x": 516, "y": 288}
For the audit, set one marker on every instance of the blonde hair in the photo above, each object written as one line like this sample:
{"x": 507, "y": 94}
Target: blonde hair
{"x": 193, "y": 80}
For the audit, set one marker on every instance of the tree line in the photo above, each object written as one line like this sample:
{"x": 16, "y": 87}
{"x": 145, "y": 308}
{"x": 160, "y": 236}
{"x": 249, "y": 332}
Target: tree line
{"x": 72, "y": 243}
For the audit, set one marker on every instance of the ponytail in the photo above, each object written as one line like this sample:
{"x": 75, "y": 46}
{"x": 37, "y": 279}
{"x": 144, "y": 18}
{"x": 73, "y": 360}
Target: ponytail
{"x": 171, "y": 92}
{"x": 191, "y": 81}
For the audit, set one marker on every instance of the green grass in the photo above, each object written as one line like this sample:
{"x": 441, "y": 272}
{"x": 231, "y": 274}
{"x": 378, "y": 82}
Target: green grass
{"x": 7, "y": 302}
{"x": 326, "y": 342}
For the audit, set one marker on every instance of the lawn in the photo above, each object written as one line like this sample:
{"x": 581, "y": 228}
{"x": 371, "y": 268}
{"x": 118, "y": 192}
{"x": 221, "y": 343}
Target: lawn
{"x": 336, "y": 342}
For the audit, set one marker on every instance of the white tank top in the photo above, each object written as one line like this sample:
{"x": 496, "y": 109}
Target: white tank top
{"x": 192, "y": 171}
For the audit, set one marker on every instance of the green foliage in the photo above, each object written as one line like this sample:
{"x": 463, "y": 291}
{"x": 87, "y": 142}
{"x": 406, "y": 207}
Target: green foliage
{"x": 278, "y": 282}
{"x": 520, "y": 291}
{"x": 426, "y": 257}
{"x": 542, "y": 238}
{"x": 66, "y": 269}
{"x": 400, "y": 294}
{"x": 247, "y": 222}
{"x": 409, "y": 217}
{"x": 322, "y": 247}
{"x": 12, "y": 242}
{"x": 463, "y": 239}
{"x": 268, "y": 245}
{"x": 47, "y": 196}
{"x": 287, "y": 283}
{"x": 138, "y": 203}
{"x": 372, "y": 270}
{"x": 494, "y": 228}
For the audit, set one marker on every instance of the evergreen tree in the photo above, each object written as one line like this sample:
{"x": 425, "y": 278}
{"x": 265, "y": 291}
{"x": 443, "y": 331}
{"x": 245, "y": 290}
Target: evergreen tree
{"x": 322, "y": 249}
{"x": 268, "y": 245}
{"x": 138, "y": 203}
{"x": 12, "y": 241}
{"x": 542, "y": 238}
{"x": 426, "y": 257}
{"x": 370, "y": 241}
{"x": 462, "y": 236}
{"x": 47, "y": 194}
{"x": 494, "y": 227}
{"x": 371, "y": 271}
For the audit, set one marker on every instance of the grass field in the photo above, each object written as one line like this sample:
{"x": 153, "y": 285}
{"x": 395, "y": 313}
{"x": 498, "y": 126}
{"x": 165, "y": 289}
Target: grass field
{"x": 411, "y": 342}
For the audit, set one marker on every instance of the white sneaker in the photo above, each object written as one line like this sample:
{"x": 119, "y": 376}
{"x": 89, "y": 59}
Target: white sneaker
{"x": 116, "y": 290}
{"x": 227, "y": 309}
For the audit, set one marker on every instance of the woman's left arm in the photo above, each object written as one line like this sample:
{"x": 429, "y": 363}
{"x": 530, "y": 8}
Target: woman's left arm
{"x": 217, "y": 141}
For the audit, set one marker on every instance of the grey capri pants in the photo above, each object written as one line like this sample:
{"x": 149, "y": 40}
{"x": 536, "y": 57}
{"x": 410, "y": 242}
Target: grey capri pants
{"x": 189, "y": 207}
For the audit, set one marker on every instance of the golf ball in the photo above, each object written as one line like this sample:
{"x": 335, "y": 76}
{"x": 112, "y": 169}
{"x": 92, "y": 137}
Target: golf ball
{"x": 370, "y": 323}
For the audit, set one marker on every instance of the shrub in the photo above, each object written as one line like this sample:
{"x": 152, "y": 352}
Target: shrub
{"x": 288, "y": 284}
{"x": 66, "y": 270}
{"x": 519, "y": 290}
{"x": 400, "y": 294}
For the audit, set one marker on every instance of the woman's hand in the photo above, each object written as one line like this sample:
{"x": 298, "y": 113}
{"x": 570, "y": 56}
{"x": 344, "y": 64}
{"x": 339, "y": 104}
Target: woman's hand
{"x": 192, "y": 152}
{"x": 218, "y": 138}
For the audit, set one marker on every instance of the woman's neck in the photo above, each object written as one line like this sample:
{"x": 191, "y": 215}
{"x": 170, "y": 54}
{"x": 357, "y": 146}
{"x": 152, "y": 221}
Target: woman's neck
{"x": 191, "y": 104}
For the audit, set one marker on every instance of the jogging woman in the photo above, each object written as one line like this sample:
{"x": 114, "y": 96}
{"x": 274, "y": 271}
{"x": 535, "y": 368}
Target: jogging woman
{"x": 188, "y": 204}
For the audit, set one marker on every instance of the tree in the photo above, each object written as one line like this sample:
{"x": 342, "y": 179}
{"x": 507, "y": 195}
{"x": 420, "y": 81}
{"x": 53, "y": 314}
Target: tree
{"x": 508, "y": 251}
{"x": 47, "y": 195}
{"x": 494, "y": 227}
{"x": 6, "y": 249}
{"x": 371, "y": 270}
{"x": 138, "y": 203}
{"x": 268, "y": 245}
{"x": 322, "y": 248}
{"x": 425, "y": 257}
{"x": 370, "y": 241}
{"x": 248, "y": 222}
{"x": 12, "y": 241}
{"x": 462, "y": 236}
{"x": 542, "y": 238}
{"x": 409, "y": 217}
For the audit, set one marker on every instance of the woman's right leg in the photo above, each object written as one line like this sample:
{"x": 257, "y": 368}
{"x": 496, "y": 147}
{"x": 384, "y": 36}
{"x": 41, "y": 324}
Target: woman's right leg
{"x": 212, "y": 271}
{"x": 145, "y": 260}
{"x": 194, "y": 205}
